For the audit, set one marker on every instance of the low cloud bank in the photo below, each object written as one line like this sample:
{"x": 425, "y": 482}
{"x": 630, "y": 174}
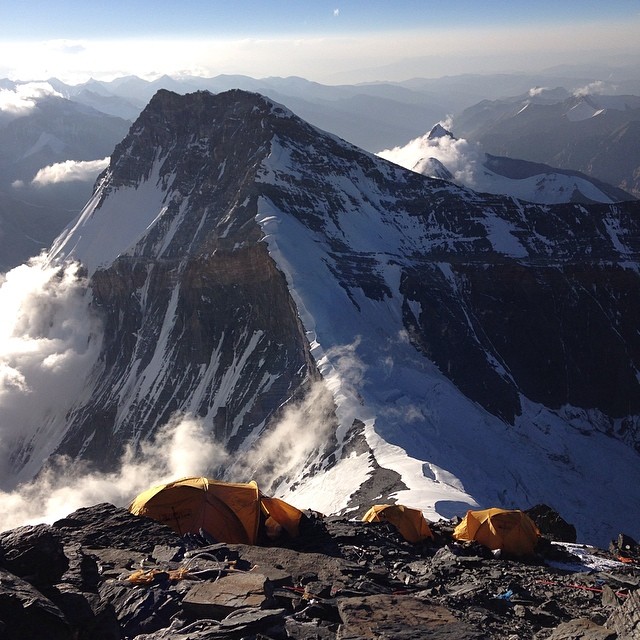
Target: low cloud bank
{"x": 70, "y": 171}
{"x": 594, "y": 88}
{"x": 181, "y": 448}
{"x": 25, "y": 97}
{"x": 289, "y": 445}
{"x": 49, "y": 347}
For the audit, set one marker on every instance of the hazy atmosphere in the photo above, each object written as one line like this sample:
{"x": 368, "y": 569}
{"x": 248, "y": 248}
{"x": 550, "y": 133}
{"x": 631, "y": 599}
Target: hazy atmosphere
{"x": 351, "y": 42}
{"x": 358, "y": 281}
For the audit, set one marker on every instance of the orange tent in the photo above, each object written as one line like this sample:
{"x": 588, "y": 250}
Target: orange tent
{"x": 230, "y": 512}
{"x": 513, "y": 531}
{"x": 409, "y": 522}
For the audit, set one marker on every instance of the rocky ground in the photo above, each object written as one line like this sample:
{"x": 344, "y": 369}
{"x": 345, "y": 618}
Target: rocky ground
{"x": 103, "y": 574}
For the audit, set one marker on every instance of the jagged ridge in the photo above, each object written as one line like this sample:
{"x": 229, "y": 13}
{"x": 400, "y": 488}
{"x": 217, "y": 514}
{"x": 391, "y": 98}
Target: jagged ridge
{"x": 502, "y": 297}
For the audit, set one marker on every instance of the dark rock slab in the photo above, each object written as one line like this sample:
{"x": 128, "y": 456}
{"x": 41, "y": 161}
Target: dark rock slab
{"x": 25, "y": 614}
{"x": 112, "y": 563}
{"x": 551, "y": 524}
{"x": 244, "y": 624}
{"x": 626, "y": 619}
{"x": 310, "y": 630}
{"x": 224, "y": 596}
{"x": 303, "y": 567}
{"x": 249, "y": 621}
{"x": 583, "y": 629}
{"x": 400, "y": 617}
{"x": 104, "y": 525}
{"x": 35, "y": 553}
{"x": 83, "y": 572}
{"x": 141, "y": 609}
{"x": 89, "y": 617}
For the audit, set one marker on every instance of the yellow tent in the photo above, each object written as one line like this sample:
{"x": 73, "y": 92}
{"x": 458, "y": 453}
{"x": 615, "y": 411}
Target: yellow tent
{"x": 513, "y": 531}
{"x": 230, "y": 512}
{"x": 409, "y": 522}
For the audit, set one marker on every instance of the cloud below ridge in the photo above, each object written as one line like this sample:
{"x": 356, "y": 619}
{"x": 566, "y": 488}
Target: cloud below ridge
{"x": 70, "y": 171}
{"x": 24, "y": 97}
{"x": 460, "y": 157}
{"x": 49, "y": 342}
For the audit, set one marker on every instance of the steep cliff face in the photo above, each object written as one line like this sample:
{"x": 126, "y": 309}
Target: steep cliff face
{"x": 478, "y": 350}
{"x": 197, "y": 316}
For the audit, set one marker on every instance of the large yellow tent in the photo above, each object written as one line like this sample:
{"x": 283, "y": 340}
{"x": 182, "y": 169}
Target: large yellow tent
{"x": 408, "y": 521}
{"x": 230, "y": 512}
{"x": 513, "y": 531}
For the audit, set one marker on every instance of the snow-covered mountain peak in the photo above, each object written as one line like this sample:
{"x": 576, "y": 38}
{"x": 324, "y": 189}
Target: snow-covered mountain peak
{"x": 178, "y": 147}
{"x": 347, "y": 330}
{"x": 439, "y": 154}
{"x": 438, "y": 131}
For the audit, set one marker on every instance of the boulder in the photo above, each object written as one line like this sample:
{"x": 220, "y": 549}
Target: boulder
{"x": 25, "y": 613}
{"x": 551, "y": 524}
{"x": 141, "y": 609}
{"x": 104, "y": 525}
{"x": 34, "y": 553}
{"x": 582, "y": 629}
{"x": 400, "y": 617}
{"x": 625, "y": 620}
{"x": 228, "y": 594}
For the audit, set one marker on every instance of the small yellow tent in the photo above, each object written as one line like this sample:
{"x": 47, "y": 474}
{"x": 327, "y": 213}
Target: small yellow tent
{"x": 230, "y": 512}
{"x": 409, "y": 522}
{"x": 513, "y": 531}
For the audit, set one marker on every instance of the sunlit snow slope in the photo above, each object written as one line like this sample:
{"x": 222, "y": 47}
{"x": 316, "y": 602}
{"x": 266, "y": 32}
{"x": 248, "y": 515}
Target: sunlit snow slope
{"x": 476, "y": 350}
{"x": 439, "y": 154}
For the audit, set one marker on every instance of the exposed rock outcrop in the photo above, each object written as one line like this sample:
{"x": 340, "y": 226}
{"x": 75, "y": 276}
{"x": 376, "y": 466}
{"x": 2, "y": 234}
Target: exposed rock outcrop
{"x": 130, "y": 577}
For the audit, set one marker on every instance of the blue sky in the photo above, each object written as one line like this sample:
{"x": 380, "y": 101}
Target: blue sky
{"x": 314, "y": 38}
{"x": 26, "y": 19}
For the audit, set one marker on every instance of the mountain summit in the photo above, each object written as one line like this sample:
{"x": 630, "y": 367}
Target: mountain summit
{"x": 350, "y": 331}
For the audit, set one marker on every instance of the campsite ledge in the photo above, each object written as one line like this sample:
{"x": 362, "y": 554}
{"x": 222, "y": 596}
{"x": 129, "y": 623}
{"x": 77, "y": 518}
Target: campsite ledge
{"x": 103, "y": 573}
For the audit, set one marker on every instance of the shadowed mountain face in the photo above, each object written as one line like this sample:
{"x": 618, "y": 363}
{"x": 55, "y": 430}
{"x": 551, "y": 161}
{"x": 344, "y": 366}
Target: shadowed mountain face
{"x": 596, "y": 135}
{"x": 232, "y": 249}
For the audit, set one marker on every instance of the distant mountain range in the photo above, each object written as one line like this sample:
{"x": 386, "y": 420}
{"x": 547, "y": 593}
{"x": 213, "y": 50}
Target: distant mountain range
{"x": 43, "y": 131}
{"x": 440, "y": 155}
{"x": 595, "y": 134}
{"x": 344, "y": 329}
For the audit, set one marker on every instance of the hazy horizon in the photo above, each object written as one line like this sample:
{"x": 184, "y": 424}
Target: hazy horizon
{"x": 324, "y": 42}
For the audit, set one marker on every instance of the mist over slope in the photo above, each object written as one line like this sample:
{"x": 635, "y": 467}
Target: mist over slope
{"x": 439, "y": 154}
{"x": 346, "y": 330}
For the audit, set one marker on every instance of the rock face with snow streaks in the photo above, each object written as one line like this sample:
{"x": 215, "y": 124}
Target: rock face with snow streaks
{"x": 197, "y": 316}
{"x": 236, "y": 254}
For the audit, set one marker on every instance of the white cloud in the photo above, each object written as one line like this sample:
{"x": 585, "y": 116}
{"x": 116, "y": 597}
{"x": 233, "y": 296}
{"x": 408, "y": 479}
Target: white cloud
{"x": 70, "y": 171}
{"x": 336, "y": 12}
{"x": 300, "y": 432}
{"x": 594, "y": 88}
{"x": 460, "y": 157}
{"x": 181, "y": 448}
{"x": 24, "y": 96}
{"x": 49, "y": 342}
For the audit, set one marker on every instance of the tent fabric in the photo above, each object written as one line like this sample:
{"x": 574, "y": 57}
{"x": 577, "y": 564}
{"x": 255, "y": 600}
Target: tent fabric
{"x": 513, "y": 531}
{"x": 408, "y": 521}
{"x": 230, "y": 512}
